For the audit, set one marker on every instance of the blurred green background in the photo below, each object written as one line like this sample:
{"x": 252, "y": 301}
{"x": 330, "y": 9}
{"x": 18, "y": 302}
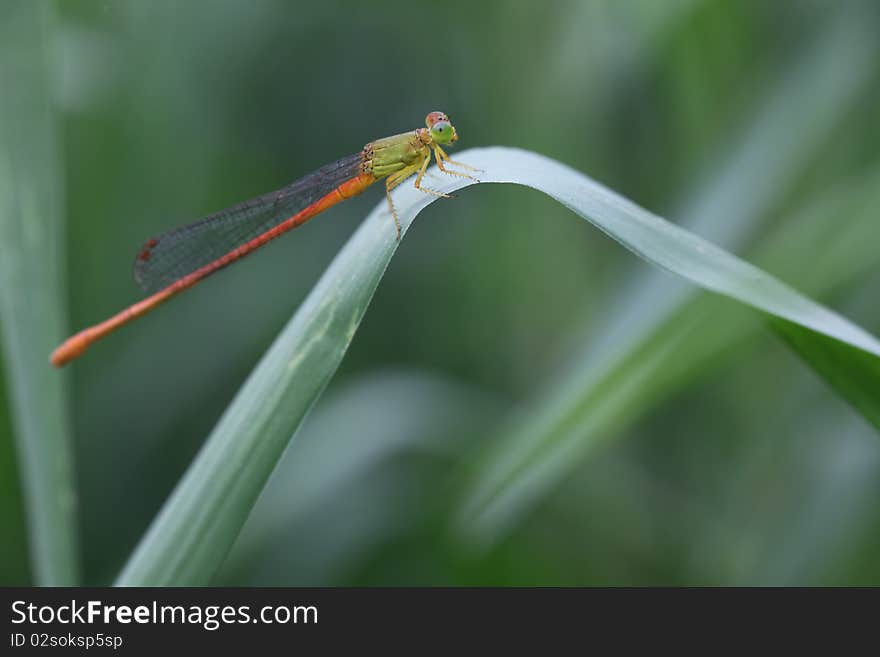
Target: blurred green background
{"x": 749, "y": 122}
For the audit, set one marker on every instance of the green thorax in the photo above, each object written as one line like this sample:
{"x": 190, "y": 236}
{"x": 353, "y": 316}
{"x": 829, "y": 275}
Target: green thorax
{"x": 390, "y": 154}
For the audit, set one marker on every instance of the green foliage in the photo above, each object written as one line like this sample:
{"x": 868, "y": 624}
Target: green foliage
{"x": 31, "y": 291}
{"x": 521, "y": 384}
{"x": 198, "y": 526}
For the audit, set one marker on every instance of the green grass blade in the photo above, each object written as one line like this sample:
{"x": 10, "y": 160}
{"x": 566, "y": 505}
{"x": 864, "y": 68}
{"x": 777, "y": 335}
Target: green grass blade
{"x": 657, "y": 337}
{"x": 196, "y": 528}
{"x": 852, "y": 372}
{"x": 827, "y": 246}
{"x": 31, "y": 292}
{"x": 839, "y": 235}
{"x": 668, "y": 246}
{"x": 354, "y": 441}
{"x": 190, "y": 538}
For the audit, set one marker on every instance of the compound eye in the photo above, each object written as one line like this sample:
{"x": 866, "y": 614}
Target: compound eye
{"x": 443, "y": 132}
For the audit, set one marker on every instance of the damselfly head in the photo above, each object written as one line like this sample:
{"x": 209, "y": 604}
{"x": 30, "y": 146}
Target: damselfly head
{"x": 442, "y": 130}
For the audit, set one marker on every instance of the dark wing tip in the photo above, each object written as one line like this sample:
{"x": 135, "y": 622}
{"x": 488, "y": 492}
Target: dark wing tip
{"x": 141, "y": 262}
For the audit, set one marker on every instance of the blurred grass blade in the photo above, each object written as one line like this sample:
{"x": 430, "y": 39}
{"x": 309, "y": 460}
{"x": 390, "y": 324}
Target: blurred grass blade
{"x": 190, "y": 538}
{"x": 31, "y": 298}
{"x": 828, "y": 245}
{"x": 804, "y": 107}
{"x": 657, "y": 332}
{"x": 347, "y": 458}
